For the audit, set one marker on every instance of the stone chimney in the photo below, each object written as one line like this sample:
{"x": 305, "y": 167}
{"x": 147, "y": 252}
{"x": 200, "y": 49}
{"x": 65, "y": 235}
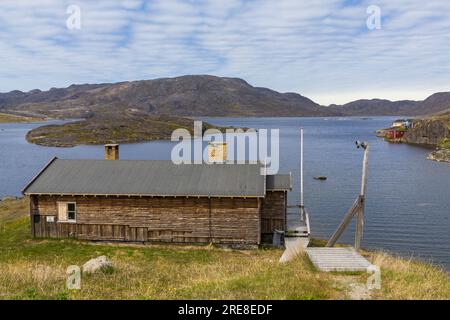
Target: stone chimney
{"x": 217, "y": 152}
{"x": 111, "y": 152}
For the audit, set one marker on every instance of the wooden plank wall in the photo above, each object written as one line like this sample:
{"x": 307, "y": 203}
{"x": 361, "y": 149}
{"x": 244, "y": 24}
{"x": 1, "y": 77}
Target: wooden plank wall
{"x": 179, "y": 220}
{"x": 273, "y": 213}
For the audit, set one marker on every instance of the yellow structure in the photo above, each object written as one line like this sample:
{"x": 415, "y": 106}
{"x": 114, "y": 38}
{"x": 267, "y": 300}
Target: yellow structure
{"x": 111, "y": 152}
{"x": 217, "y": 152}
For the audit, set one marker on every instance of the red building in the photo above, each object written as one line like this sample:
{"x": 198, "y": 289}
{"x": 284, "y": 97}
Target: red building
{"x": 394, "y": 133}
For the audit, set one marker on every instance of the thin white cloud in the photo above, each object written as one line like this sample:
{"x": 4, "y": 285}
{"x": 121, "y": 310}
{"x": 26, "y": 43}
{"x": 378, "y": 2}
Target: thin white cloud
{"x": 321, "y": 48}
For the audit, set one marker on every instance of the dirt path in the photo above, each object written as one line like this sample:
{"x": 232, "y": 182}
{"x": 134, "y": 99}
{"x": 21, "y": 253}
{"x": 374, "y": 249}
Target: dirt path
{"x": 355, "y": 289}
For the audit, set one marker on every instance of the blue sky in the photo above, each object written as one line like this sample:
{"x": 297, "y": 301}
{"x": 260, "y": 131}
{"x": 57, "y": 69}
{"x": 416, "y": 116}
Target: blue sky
{"x": 318, "y": 48}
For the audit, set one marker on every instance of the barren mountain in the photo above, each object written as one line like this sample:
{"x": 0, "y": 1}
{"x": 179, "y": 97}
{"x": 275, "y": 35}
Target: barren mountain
{"x": 376, "y": 107}
{"x": 436, "y": 103}
{"x": 182, "y": 96}
{"x": 201, "y": 95}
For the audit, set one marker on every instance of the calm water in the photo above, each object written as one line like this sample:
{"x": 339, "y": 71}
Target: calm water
{"x": 408, "y": 197}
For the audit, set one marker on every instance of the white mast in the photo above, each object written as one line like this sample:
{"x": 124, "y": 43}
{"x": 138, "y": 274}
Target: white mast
{"x": 301, "y": 168}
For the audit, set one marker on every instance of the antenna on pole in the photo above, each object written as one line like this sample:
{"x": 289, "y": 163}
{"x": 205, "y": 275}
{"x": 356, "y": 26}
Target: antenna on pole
{"x": 302, "y": 204}
{"x": 297, "y": 239}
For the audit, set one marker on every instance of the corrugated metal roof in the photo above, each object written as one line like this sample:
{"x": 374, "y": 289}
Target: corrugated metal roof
{"x": 148, "y": 178}
{"x": 279, "y": 182}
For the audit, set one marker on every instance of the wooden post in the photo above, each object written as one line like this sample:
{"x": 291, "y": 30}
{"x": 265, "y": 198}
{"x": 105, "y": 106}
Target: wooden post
{"x": 360, "y": 215}
{"x": 357, "y": 208}
{"x": 359, "y": 226}
{"x": 345, "y": 222}
{"x": 32, "y": 212}
{"x": 364, "y": 171}
{"x": 210, "y": 222}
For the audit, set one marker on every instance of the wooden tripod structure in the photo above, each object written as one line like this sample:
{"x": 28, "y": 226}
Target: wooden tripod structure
{"x": 357, "y": 208}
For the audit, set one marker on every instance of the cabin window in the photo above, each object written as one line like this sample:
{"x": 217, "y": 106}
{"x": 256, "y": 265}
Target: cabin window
{"x": 67, "y": 211}
{"x": 71, "y": 212}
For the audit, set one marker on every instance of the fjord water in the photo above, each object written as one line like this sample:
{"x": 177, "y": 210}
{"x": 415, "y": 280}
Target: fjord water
{"x": 408, "y": 197}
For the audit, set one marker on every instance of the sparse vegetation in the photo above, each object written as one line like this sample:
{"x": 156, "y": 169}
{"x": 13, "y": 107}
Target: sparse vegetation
{"x": 36, "y": 269}
{"x": 446, "y": 144}
{"x": 11, "y": 118}
{"x": 122, "y": 128}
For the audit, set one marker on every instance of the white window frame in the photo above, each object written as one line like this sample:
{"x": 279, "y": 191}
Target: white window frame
{"x": 65, "y": 212}
{"x": 75, "y": 212}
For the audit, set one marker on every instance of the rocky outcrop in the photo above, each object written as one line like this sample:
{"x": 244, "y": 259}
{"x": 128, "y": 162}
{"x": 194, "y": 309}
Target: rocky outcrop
{"x": 427, "y": 132}
{"x": 442, "y": 155}
{"x": 432, "y": 131}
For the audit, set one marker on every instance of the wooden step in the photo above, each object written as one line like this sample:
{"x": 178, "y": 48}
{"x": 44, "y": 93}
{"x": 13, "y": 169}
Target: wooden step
{"x": 337, "y": 259}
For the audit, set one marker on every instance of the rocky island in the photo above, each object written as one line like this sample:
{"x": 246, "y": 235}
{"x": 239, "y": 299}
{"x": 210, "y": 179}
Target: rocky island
{"x": 146, "y": 110}
{"x": 440, "y": 155}
{"x": 103, "y": 129}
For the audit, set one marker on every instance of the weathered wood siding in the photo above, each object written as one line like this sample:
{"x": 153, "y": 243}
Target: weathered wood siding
{"x": 180, "y": 220}
{"x": 273, "y": 213}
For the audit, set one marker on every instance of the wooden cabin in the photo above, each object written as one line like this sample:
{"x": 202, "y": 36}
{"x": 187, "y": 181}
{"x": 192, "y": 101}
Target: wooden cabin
{"x": 157, "y": 201}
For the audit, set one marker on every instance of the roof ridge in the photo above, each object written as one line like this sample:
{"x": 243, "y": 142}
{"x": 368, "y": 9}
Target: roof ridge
{"x": 38, "y": 174}
{"x": 159, "y": 160}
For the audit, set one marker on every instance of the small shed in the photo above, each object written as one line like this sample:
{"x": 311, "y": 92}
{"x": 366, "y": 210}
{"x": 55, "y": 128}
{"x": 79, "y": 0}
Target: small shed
{"x": 402, "y": 123}
{"x": 157, "y": 201}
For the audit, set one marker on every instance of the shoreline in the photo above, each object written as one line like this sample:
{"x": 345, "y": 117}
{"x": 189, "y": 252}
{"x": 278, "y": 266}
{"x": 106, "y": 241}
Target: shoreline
{"x": 429, "y": 133}
{"x": 14, "y": 118}
{"x": 418, "y": 151}
{"x": 54, "y": 135}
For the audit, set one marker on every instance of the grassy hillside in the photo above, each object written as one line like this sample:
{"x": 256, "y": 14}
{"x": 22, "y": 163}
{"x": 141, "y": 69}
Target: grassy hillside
{"x": 10, "y": 118}
{"x": 35, "y": 269}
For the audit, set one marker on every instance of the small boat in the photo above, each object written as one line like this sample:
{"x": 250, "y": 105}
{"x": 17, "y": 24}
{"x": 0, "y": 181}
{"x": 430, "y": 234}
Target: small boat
{"x": 322, "y": 178}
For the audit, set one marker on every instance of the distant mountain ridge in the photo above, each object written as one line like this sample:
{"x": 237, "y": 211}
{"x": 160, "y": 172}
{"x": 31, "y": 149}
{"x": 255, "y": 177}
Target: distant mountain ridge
{"x": 182, "y": 96}
{"x": 198, "y": 95}
{"x": 437, "y": 102}
{"x": 376, "y": 107}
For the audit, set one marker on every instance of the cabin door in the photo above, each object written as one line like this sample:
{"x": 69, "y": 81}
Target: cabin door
{"x": 44, "y": 226}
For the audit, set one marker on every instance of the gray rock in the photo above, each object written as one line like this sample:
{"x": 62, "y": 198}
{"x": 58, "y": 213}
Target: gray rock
{"x": 98, "y": 264}
{"x": 442, "y": 155}
{"x": 427, "y": 132}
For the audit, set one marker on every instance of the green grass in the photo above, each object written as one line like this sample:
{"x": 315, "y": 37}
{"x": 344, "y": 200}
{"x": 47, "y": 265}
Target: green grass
{"x": 446, "y": 144}
{"x": 10, "y": 118}
{"x": 36, "y": 269}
